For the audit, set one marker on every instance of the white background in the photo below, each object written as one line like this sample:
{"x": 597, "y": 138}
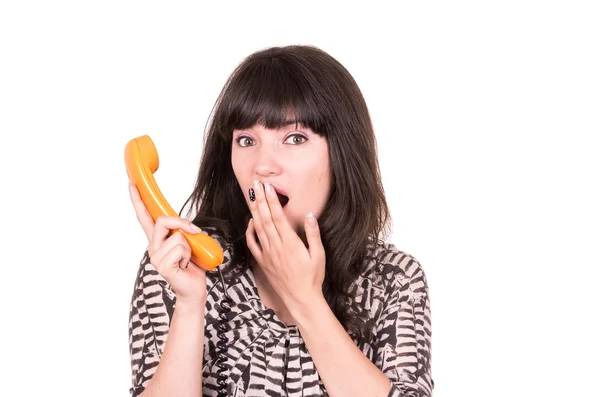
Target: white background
{"x": 487, "y": 117}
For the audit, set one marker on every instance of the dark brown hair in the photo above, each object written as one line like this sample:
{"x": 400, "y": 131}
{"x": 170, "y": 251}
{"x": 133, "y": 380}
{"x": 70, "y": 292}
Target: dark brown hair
{"x": 322, "y": 95}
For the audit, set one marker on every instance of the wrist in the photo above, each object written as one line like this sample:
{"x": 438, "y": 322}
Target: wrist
{"x": 309, "y": 310}
{"x": 190, "y": 307}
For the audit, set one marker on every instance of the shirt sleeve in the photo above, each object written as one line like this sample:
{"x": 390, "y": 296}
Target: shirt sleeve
{"x": 149, "y": 321}
{"x": 403, "y": 334}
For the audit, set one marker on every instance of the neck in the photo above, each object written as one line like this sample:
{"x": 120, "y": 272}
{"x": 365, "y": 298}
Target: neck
{"x": 268, "y": 295}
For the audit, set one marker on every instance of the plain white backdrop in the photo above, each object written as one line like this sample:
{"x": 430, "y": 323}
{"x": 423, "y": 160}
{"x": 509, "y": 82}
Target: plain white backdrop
{"x": 487, "y": 116}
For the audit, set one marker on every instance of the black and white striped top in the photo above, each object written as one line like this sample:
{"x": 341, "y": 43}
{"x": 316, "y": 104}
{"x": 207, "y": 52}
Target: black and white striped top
{"x": 267, "y": 358}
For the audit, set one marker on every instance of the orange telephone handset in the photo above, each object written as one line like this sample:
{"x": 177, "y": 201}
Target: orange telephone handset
{"x": 141, "y": 162}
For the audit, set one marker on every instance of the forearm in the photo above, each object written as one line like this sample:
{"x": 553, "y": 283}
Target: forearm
{"x": 344, "y": 369}
{"x": 179, "y": 372}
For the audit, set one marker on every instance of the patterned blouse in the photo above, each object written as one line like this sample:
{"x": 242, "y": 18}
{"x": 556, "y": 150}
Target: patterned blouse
{"x": 264, "y": 357}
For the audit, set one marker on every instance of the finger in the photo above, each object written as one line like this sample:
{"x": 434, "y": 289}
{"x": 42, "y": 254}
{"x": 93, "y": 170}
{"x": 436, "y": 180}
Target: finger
{"x": 141, "y": 212}
{"x": 257, "y": 217}
{"x": 252, "y": 243}
{"x": 280, "y": 221}
{"x": 165, "y": 225}
{"x": 313, "y": 237}
{"x": 184, "y": 262}
{"x": 163, "y": 249}
{"x": 174, "y": 259}
{"x": 266, "y": 218}
{"x": 176, "y": 240}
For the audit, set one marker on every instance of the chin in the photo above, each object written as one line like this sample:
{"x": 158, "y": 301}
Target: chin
{"x": 296, "y": 222}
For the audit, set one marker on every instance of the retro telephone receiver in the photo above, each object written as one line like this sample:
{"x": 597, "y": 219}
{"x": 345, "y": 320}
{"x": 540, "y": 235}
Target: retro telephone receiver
{"x": 141, "y": 162}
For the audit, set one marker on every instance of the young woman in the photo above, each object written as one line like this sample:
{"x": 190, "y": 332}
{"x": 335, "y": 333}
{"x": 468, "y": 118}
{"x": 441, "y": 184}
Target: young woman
{"x": 310, "y": 299}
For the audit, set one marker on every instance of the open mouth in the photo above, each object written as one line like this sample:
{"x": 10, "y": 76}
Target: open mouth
{"x": 283, "y": 200}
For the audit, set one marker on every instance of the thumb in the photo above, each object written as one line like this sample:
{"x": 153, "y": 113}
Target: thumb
{"x": 313, "y": 236}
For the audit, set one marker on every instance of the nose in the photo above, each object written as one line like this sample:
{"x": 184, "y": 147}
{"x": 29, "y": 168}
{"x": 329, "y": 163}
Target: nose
{"x": 267, "y": 162}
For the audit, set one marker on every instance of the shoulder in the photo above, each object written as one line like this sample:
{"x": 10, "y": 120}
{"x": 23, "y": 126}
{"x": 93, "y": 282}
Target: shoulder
{"x": 388, "y": 267}
{"x": 390, "y": 279}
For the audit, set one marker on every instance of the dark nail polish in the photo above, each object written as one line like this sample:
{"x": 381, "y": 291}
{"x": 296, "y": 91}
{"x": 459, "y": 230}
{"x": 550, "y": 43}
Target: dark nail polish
{"x": 251, "y": 194}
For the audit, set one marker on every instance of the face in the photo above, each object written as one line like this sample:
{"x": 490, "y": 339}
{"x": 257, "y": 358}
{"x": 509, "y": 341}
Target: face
{"x": 293, "y": 159}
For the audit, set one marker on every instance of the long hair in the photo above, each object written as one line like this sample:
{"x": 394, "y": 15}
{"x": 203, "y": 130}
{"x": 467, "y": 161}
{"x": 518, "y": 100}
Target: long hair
{"x": 322, "y": 95}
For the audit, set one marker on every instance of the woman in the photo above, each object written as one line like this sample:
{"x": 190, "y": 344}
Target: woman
{"x": 309, "y": 300}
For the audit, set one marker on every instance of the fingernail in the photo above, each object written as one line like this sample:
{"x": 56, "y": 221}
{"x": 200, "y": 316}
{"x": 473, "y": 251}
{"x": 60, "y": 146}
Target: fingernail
{"x": 195, "y": 228}
{"x": 256, "y": 183}
{"x": 251, "y": 194}
{"x": 267, "y": 186}
{"x": 311, "y": 219}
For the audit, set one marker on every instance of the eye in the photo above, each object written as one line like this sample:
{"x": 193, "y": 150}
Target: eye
{"x": 296, "y": 139}
{"x": 244, "y": 141}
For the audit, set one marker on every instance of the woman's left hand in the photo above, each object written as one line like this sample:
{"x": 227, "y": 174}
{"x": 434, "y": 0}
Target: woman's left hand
{"x": 295, "y": 272}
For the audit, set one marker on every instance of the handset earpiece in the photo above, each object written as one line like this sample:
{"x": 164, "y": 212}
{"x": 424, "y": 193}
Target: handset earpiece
{"x": 141, "y": 162}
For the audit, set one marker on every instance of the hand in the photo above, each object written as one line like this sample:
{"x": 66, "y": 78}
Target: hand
{"x": 171, "y": 255}
{"x": 295, "y": 272}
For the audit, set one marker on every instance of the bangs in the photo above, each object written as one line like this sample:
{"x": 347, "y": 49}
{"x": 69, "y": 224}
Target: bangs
{"x": 273, "y": 95}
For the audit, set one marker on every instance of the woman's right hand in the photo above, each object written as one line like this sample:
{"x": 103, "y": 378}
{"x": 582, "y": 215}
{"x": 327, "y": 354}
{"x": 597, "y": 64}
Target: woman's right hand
{"x": 171, "y": 255}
